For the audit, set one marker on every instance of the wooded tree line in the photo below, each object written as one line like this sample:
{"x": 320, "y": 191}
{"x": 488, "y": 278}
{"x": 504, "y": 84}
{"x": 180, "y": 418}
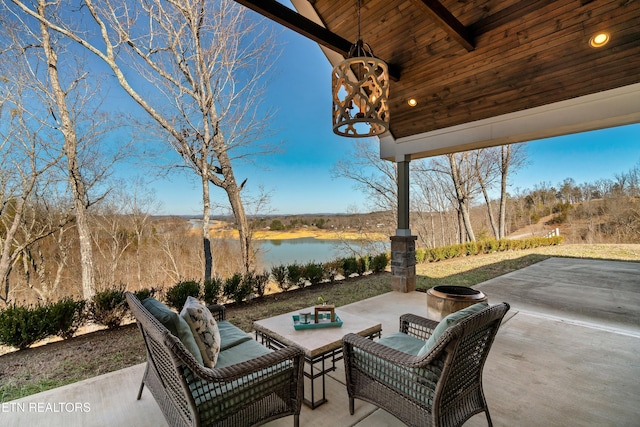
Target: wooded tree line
{"x": 464, "y": 197}
{"x": 132, "y": 249}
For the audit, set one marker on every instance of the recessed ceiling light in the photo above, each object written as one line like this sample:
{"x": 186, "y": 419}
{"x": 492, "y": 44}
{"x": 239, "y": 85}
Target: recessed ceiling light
{"x": 599, "y": 39}
{"x": 412, "y": 102}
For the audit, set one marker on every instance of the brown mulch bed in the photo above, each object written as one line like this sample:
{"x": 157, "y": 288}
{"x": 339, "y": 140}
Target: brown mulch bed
{"x": 61, "y": 362}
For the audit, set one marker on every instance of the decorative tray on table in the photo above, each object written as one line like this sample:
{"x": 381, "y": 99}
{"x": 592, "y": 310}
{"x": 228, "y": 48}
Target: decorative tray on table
{"x": 324, "y": 321}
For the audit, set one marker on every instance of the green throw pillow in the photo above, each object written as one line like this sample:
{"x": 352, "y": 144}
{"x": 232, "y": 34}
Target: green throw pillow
{"x": 449, "y": 321}
{"x": 175, "y": 324}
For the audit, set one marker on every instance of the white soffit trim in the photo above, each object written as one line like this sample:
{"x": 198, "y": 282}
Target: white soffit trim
{"x": 616, "y": 107}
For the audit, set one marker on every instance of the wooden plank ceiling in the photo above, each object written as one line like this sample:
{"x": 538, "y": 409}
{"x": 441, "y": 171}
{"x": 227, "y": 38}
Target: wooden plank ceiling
{"x": 466, "y": 60}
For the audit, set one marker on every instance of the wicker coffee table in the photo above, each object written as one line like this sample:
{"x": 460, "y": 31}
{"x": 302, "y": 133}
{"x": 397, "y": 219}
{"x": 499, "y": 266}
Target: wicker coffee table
{"x": 322, "y": 347}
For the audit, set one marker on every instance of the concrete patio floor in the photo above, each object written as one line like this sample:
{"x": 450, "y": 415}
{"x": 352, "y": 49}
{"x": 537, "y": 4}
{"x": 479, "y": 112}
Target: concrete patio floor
{"x": 566, "y": 355}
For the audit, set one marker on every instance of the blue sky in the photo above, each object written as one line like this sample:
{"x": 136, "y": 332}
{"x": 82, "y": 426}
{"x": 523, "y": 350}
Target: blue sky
{"x": 299, "y": 179}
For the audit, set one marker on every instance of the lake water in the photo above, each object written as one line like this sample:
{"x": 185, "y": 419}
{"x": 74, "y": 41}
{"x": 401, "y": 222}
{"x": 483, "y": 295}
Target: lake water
{"x": 304, "y": 250}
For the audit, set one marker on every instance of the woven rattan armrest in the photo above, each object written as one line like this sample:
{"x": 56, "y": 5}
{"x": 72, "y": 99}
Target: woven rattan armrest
{"x": 391, "y": 355}
{"x": 417, "y": 326}
{"x": 218, "y": 311}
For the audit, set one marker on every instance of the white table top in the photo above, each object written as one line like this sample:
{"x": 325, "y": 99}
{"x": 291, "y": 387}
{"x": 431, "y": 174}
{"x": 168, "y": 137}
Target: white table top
{"x": 315, "y": 341}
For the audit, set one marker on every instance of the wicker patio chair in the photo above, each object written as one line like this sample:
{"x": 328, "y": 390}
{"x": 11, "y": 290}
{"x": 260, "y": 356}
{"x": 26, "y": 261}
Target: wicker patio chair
{"x": 249, "y": 393}
{"x": 441, "y": 388}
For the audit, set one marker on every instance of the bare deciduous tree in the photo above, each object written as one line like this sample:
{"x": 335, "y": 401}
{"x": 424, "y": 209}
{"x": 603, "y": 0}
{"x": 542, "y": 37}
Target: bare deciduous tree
{"x": 67, "y": 126}
{"x": 512, "y": 157}
{"x": 204, "y": 61}
{"x": 486, "y": 167}
{"x": 459, "y": 167}
{"x": 377, "y": 179}
{"x": 48, "y": 270}
{"x": 27, "y": 164}
{"x": 120, "y": 224}
{"x": 432, "y": 206}
{"x": 373, "y": 176}
{"x": 58, "y": 75}
{"x": 492, "y": 165}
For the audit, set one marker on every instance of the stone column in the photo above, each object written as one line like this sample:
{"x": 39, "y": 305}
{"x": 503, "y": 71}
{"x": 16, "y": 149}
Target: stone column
{"x": 403, "y": 244}
{"x": 403, "y": 263}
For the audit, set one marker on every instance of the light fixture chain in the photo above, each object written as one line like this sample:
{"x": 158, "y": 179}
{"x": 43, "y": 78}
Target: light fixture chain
{"x": 359, "y": 37}
{"x": 360, "y": 91}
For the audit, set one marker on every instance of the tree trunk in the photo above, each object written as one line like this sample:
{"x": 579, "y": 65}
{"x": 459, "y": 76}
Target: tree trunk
{"x": 492, "y": 218}
{"x": 461, "y": 196}
{"x": 444, "y": 230}
{"x": 7, "y": 245}
{"x": 433, "y": 229}
{"x": 505, "y": 160}
{"x": 206, "y": 237}
{"x": 232, "y": 189}
{"x": 233, "y": 192}
{"x": 73, "y": 169}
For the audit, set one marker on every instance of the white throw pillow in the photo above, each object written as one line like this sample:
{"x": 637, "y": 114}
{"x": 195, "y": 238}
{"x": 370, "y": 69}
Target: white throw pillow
{"x": 204, "y": 328}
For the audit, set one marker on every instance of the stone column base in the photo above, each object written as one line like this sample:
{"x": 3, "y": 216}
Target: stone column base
{"x": 403, "y": 263}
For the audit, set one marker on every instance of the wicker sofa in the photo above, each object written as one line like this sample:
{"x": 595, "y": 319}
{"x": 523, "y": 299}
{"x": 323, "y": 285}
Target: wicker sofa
{"x": 249, "y": 385}
{"x": 425, "y": 381}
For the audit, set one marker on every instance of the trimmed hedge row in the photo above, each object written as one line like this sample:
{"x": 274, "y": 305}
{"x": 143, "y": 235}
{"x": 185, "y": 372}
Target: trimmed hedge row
{"x": 288, "y": 276}
{"x": 21, "y": 326}
{"x": 483, "y": 247}
{"x": 239, "y": 287}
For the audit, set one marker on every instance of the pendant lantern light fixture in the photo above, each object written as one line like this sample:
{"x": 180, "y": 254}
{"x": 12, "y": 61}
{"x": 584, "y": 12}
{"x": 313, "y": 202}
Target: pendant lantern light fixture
{"x": 360, "y": 92}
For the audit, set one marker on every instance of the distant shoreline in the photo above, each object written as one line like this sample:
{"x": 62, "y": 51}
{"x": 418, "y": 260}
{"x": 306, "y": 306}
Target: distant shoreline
{"x": 223, "y": 230}
{"x": 301, "y": 234}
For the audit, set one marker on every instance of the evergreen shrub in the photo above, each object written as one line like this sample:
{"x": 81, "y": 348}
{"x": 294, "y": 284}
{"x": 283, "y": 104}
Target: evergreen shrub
{"x": 313, "y": 272}
{"x": 331, "y": 270}
{"x": 22, "y": 326}
{"x": 294, "y": 274}
{"x": 177, "y": 295}
{"x": 279, "y": 273}
{"x": 145, "y": 293}
{"x": 349, "y": 266}
{"x": 108, "y": 307}
{"x": 486, "y": 246}
{"x": 211, "y": 290}
{"x": 363, "y": 264}
{"x": 379, "y": 262}
{"x": 471, "y": 248}
{"x": 245, "y": 288}
{"x": 65, "y": 317}
{"x": 238, "y": 287}
{"x": 261, "y": 280}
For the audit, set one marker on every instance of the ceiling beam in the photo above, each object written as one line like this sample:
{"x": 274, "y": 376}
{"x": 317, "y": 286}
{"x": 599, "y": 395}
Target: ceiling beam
{"x": 449, "y": 23}
{"x": 300, "y": 24}
{"x": 304, "y": 26}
